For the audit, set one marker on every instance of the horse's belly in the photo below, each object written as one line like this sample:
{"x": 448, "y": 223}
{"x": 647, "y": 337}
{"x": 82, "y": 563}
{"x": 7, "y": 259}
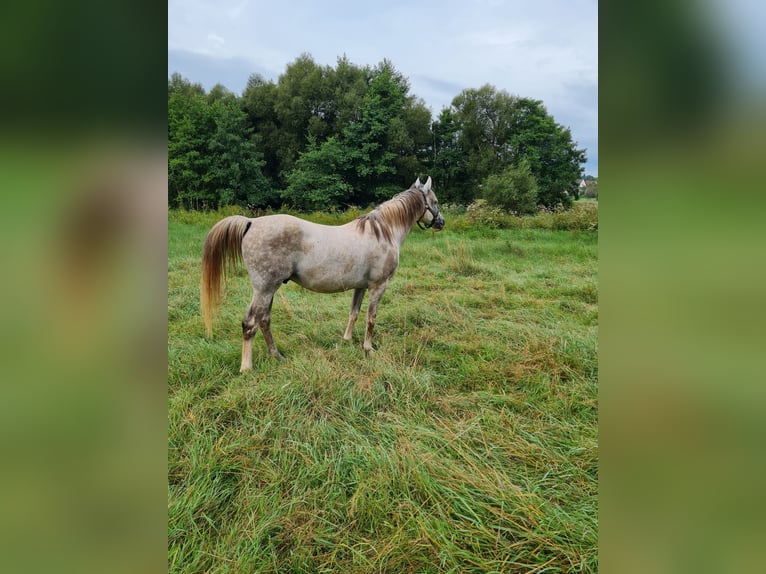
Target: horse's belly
{"x": 327, "y": 281}
{"x": 343, "y": 264}
{"x": 328, "y": 286}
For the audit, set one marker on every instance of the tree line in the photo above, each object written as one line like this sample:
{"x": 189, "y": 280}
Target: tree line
{"x": 329, "y": 137}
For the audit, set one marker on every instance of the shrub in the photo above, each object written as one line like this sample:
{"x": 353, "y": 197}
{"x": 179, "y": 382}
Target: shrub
{"x": 480, "y": 212}
{"x": 581, "y": 217}
{"x": 514, "y": 190}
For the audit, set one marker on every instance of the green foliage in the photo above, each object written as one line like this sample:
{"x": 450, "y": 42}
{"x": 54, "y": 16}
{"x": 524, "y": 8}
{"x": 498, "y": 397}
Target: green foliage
{"x": 317, "y": 183}
{"x": 582, "y": 216}
{"x": 514, "y": 189}
{"x": 487, "y": 130}
{"x": 188, "y": 131}
{"x": 481, "y": 214}
{"x": 552, "y": 155}
{"x": 450, "y": 166}
{"x": 235, "y": 164}
{"x": 259, "y": 102}
{"x": 486, "y": 117}
{"x": 299, "y": 104}
{"x": 211, "y": 159}
{"x": 325, "y": 137}
{"x": 371, "y": 162}
{"x": 357, "y": 165}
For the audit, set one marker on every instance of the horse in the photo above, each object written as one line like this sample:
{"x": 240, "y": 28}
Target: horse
{"x": 361, "y": 255}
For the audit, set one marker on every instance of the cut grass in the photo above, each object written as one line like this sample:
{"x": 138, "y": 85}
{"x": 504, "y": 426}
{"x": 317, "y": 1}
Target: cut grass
{"x": 466, "y": 443}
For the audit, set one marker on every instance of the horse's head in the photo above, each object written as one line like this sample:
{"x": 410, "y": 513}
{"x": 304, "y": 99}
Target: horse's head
{"x": 431, "y": 216}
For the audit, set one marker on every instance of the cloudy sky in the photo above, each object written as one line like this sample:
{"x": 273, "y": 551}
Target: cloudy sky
{"x": 546, "y": 49}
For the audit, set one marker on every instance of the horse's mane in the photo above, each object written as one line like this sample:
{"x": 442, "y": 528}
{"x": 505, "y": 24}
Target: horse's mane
{"x": 400, "y": 211}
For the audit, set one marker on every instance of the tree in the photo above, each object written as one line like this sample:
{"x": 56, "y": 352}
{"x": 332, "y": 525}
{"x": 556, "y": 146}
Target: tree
{"x": 485, "y": 117}
{"x": 346, "y": 86}
{"x": 492, "y": 130}
{"x": 371, "y": 160}
{"x": 212, "y": 160}
{"x": 553, "y": 157}
{"x": 363, "y": 135}
{"x": 316, "y": 182}
{"x": 377, "y": 150}
{"x": 410, "y": 139}
{"x": 258, "y": 103}
{"x": 450, "y": 161}
{"x": 234, "y": 173}
{"x": 514, "y": 189}
{"x": 301, "y": 105}
{"x": 177, "y": 84}
{"x": 219, "y": 92}
{"x": 190, "y": 126}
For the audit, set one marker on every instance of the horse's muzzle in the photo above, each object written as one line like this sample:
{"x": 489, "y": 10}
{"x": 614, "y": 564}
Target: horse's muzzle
{"x": 438, "y": 223}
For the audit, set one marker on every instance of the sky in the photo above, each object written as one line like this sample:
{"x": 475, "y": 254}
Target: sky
{"x": 546, "y": 49}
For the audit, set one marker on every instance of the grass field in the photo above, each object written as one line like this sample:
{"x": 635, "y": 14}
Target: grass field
{"x": 466, "y": 443}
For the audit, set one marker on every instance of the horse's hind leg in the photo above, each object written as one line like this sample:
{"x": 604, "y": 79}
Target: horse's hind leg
{"x": 356, "y": 303}
{"x": 249, "y": 329}
{"x": 258, "y": 317}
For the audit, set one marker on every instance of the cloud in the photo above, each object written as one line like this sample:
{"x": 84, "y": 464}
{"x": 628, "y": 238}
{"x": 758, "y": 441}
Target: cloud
{"x": 215, "y": 39}
{"x": 211, "y": 70}
{"x": 546, "y": 50}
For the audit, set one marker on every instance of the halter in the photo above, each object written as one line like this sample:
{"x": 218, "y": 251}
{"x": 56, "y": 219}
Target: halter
{"x": 434, "y": 216}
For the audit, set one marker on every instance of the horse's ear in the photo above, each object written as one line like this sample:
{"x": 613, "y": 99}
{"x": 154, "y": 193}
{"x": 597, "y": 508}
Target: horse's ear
{"x": 417, "y": 183}
{"x": 427, "y": 185}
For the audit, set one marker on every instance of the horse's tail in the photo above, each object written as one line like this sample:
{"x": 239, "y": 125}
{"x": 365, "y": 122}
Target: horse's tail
{"x": 220, "y": 255}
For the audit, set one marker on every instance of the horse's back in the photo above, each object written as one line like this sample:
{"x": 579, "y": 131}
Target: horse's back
{"x": 282, "y": 232}
{"x": 323, "y": 258}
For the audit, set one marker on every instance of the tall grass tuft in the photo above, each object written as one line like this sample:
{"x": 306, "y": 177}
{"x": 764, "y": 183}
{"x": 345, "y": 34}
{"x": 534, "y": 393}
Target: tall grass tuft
{"x": 460, "y": 261}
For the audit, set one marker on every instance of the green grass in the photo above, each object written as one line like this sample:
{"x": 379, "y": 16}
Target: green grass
{"x": 466, "y": 443}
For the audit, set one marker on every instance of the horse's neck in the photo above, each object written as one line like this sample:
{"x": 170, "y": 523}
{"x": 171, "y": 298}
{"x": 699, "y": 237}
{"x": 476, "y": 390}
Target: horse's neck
{"x": 400, "y": 232}
{"x": 400, "y": 229}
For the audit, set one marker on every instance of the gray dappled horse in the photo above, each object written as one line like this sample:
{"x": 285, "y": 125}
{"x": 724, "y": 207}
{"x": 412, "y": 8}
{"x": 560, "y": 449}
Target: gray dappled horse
{"x": 360, "y": 255}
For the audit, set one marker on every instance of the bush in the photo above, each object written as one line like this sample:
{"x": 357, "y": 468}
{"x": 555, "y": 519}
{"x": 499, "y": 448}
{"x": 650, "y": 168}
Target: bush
{"x": 581, "y": 217}
{"x": 514, "y": 190}
{"x": 480, "y": 212}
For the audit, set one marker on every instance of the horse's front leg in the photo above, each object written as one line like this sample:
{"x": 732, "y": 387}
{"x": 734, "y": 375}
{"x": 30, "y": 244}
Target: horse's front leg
{"x": 356, "y": 304}
{"x": 265, "y": 324}
{"x": 376, "y": 294}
